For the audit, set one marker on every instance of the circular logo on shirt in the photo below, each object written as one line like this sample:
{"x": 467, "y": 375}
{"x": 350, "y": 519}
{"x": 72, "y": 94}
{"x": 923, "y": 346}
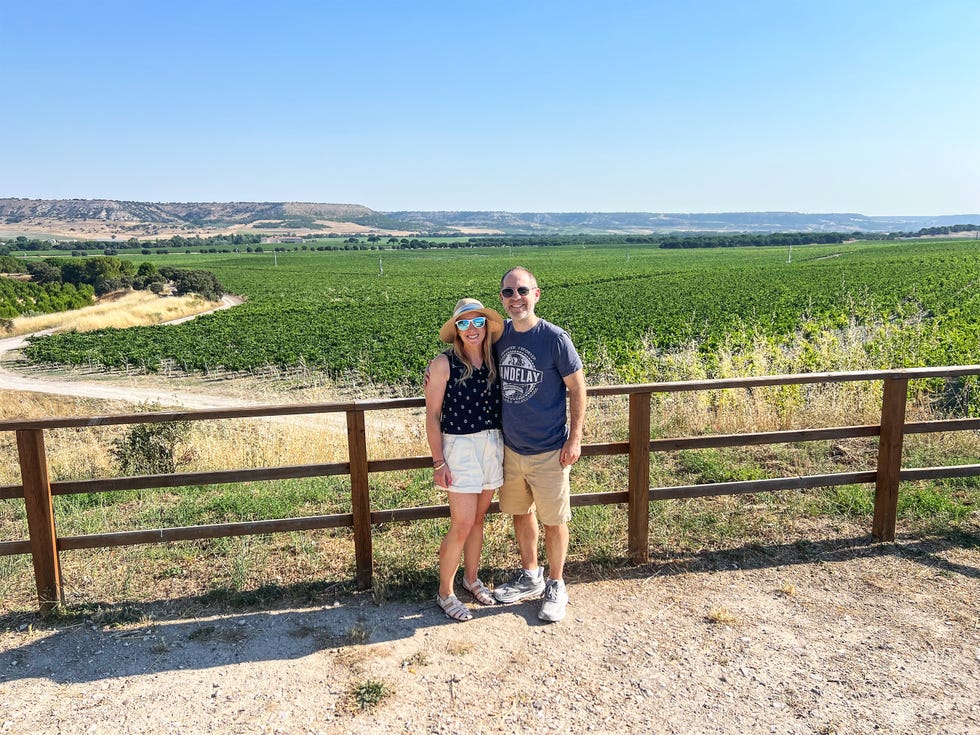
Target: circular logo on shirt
{"x": 519, "y": 379}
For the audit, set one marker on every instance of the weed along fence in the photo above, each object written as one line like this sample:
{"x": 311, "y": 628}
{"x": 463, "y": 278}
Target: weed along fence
{"x": 44, "y": 544}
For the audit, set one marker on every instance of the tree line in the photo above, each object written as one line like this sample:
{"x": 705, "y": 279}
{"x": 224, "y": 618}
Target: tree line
{"x": 240, "y": 242}
{"x": 26, "y": 244}
{"x": 106, "y": 273}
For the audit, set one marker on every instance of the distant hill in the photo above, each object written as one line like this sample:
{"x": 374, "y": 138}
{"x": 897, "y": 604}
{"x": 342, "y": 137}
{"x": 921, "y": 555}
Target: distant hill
{"x": 193, "y": 213}
{"x": 103, "y": 218}
{"x": 647, "y": 222}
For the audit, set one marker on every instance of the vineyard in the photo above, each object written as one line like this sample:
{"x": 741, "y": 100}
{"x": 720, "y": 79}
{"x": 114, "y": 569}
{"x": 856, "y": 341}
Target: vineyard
{"x": 374, "y": 315}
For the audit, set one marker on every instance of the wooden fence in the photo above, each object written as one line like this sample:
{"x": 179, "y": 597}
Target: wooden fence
{"x": 45, "y": 545}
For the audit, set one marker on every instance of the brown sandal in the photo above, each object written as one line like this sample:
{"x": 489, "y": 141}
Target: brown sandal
{"x": 480, "y": 592}
{"x": 453, "y": 608}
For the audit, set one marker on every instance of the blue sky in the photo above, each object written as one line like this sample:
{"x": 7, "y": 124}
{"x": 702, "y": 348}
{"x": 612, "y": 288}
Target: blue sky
{"x": 858, "y": 106}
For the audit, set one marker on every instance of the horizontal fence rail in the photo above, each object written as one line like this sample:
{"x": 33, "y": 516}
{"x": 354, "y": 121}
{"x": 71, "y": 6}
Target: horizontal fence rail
{"x": 44, "y": 545}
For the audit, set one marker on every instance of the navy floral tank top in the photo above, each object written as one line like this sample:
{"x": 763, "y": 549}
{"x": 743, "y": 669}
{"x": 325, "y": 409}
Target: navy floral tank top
{"x": 468, "y": 406}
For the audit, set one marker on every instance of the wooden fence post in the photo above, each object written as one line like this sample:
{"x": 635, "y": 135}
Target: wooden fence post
{"x": 638, "y": 513}
{"x": 360, "y": 497}
{"x": 889, "y": 457}
{"x": 40, "y": 517}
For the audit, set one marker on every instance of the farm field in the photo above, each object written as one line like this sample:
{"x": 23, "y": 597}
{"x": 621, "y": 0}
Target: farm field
{"x": 630, "y": 309}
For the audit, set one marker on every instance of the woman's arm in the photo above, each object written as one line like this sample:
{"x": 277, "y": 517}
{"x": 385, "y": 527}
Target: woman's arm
{"x": 437, "y": 378}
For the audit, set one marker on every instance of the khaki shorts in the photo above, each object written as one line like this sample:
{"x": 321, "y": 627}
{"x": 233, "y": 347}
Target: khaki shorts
{"x": 476, "y": 461}
{"x": 536, "y": 482}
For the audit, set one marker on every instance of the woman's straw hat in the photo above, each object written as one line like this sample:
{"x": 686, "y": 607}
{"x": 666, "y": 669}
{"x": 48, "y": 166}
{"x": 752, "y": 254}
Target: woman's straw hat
{"x": 467, "y": 309}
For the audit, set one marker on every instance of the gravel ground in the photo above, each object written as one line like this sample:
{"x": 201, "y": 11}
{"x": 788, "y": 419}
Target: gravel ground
{"x": 832, "y": 636}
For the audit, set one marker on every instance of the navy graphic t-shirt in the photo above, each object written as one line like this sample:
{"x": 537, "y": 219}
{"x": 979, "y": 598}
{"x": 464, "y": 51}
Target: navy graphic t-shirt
{"x": 532, "y": 366}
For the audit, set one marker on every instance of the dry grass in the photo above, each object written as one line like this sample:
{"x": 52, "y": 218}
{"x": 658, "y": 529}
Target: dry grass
{"x": 459, "y": 647}
{"x": 225, "y": 444}
{"x": 358, "y": 634}
{"x": 70, "y": 453}
{"x": 405, "y": 553}
{"x": 25, "y": 405}
{"x": 417, "y": 660}
{"x": 722, "y": 616}
{"x": 121, "y": 309}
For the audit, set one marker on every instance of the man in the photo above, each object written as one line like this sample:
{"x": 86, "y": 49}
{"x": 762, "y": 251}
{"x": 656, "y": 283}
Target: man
{"x": 538, "y": 366}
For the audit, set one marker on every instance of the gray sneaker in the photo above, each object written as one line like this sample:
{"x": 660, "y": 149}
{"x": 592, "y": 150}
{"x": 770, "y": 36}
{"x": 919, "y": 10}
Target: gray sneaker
{"x": 555, "y": 600}
{"x": 522, "y": 585}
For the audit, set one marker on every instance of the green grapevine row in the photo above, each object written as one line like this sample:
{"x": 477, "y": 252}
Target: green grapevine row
{"x": 377, "y": 314}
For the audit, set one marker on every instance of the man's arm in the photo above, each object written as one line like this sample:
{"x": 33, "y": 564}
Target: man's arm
{"x": 572, "y": 449}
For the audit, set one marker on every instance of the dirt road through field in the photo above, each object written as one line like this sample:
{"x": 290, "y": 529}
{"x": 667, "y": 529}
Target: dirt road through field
{"x": 119, "y": 388}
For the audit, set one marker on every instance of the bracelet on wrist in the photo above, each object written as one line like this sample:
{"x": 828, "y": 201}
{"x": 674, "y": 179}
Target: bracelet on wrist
{"x": 438, "y": 465}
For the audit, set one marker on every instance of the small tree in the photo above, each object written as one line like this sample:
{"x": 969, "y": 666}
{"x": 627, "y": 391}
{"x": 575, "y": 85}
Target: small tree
{"x": 202, "y": 283}
{"x": 44, "y": 272}
{"x": 152, "y": 449}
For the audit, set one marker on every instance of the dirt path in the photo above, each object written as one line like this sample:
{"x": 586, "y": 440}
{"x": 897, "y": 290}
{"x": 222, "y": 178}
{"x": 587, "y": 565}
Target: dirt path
{"x": 120, "y": 388}
{"x": 837, "y": 636}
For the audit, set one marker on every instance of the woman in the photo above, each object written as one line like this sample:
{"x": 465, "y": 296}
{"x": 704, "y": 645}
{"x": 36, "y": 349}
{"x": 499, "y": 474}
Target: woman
{"x": 462, "y": 425}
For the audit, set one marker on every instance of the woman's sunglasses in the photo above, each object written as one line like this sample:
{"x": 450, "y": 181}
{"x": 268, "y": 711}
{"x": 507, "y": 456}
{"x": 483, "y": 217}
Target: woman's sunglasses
{"x": 508, "y": 292}
{"x": 478, "y": 321}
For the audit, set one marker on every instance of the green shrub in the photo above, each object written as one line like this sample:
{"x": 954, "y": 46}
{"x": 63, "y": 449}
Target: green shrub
{"x": 151, "y": 449}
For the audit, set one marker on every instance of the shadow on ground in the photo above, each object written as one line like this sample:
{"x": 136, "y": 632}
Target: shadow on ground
{"x": 95, "y": 643}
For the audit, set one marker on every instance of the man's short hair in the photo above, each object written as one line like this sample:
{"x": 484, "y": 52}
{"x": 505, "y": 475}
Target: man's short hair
{"x": 534, "y": 281}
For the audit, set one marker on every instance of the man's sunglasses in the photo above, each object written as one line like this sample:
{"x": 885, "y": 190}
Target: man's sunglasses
{"x": 508, "y": 292}
{"x": 478, "y": 321}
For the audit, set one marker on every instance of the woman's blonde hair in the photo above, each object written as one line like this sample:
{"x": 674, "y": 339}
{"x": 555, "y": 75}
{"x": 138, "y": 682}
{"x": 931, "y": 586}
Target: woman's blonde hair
{"x": 468, "y": 366}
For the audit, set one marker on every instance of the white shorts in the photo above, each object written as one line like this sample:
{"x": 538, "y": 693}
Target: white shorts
{"x": 476, "y": 461}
